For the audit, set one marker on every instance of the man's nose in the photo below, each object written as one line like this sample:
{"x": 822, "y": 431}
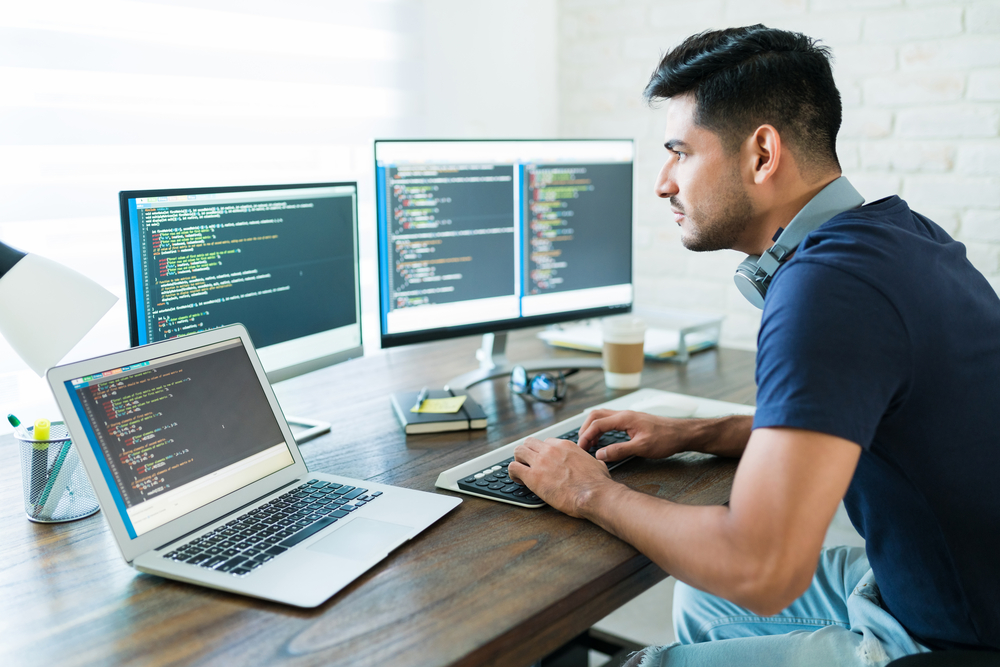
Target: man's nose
{"x": 666, "y": 187}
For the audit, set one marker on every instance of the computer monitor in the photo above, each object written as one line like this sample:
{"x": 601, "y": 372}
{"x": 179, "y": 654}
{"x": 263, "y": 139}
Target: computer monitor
{"x": 280, "y": 259}
{"x": 480, "y": 237}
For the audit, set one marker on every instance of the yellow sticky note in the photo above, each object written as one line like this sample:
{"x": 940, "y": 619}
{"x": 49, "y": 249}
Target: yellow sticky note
{"x": 441, "y": 406}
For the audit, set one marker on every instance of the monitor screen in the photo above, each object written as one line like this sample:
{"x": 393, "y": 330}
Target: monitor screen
{"x": 282, "y": 260}
{"x": 483, "y": 236}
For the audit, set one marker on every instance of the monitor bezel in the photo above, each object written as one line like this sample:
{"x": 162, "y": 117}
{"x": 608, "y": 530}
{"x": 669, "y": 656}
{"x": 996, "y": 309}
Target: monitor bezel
{"x": 273, "y": 375}
{"x": 428, "y": 335}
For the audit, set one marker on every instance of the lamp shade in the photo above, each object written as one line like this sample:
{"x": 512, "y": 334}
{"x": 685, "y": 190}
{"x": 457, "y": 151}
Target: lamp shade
{"x": 46, "y": 309}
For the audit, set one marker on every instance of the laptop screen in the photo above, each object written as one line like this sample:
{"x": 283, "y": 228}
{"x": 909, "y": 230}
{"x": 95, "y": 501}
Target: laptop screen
{"x": 174, "y": 433}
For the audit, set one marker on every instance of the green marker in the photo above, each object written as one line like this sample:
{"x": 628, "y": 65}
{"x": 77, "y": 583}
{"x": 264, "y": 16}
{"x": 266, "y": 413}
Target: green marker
{"x": 16, "y": 423}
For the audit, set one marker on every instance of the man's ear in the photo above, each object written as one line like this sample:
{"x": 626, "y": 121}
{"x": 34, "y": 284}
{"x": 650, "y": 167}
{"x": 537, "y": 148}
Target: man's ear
{"x": 763, "y": 151}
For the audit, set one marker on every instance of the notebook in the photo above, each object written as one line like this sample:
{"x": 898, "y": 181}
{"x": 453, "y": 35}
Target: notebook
{"x": 469, "y": 416}
{"x": 201, "y": 480}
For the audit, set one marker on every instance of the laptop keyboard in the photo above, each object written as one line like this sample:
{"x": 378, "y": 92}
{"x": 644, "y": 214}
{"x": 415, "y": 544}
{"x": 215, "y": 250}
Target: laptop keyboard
{"x": 494, "y": 480}
{"x": 242, "y": 545}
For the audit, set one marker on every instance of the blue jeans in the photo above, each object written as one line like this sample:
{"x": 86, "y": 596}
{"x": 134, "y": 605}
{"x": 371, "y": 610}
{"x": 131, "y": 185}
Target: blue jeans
{"x": 838, "y": 622}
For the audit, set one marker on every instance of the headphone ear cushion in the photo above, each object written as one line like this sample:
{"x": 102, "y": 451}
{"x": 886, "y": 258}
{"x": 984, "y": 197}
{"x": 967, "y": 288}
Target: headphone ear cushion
{"x": 750, "y": 281}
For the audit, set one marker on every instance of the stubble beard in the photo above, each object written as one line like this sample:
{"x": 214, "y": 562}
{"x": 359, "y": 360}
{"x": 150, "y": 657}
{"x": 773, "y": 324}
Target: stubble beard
{"x": 721, "y": 222}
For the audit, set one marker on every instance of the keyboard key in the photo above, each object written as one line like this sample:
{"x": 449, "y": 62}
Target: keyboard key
{"x": 376, "y": 494}
{"x": 496, "y": 486}
{"x": 213, "y": 561}
{"x": 198, "y": 558}
{"x": 354, "y": 494}
{"x": 305, "y": 534}
{"x": 240, "y": 571}
{"x": 510, "y": 488}
{"x": 230, "y": 564}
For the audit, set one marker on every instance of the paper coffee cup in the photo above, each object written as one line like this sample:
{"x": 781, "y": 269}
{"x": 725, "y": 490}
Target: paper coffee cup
{"x": 623, "y": 336}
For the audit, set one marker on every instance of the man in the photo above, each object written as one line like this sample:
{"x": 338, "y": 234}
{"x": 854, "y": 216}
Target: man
{"x": 878, "y": 373}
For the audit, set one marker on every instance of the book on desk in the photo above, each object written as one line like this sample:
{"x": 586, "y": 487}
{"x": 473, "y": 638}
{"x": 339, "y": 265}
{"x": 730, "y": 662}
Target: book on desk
{"x": 469, "y": 416}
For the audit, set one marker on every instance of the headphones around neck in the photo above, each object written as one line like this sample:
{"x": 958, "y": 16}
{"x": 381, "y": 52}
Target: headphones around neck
{"x": 754, "y": 274}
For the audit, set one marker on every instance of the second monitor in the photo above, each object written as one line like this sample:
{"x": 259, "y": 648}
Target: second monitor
{"x": 280, "y": 259}
{"x": 487, "y": 236}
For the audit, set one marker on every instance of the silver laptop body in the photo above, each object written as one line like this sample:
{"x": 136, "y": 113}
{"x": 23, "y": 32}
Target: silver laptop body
{"x": 190, "y": 456}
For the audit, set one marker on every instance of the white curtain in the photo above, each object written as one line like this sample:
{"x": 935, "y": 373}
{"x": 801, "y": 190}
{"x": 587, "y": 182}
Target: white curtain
{"x": 108, "y": 95}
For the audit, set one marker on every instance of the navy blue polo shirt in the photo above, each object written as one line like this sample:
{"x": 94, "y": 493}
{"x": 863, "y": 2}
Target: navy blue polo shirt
{"x": 881, "y": 332}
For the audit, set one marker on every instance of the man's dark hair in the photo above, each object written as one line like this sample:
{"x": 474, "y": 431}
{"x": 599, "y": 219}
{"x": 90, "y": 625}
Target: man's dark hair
{"x": 742, "y": 78}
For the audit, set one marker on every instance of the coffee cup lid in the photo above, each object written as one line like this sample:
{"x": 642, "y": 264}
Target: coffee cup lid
{"x": 623, "y": 329}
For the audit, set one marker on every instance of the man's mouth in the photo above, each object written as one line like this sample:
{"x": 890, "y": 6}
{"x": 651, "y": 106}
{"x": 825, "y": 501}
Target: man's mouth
{"x": 677, "y": 210}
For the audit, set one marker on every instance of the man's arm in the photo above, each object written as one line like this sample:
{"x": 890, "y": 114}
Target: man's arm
{"x": 654, "y": 437}
{"x": 760, "y": 552}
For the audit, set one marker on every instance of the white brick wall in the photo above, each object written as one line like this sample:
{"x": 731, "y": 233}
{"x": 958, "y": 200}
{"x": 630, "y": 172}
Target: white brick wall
{"x": 920, "y": 81}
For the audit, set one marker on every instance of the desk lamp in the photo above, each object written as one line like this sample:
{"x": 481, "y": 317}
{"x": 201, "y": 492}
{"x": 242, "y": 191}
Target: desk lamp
{"x": 46, "y": 308}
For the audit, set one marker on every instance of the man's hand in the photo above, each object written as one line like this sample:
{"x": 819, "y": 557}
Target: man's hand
{"x": 651, "y": 437}
{"x": 656, "y": 437}
{"x": 558, "y": 472}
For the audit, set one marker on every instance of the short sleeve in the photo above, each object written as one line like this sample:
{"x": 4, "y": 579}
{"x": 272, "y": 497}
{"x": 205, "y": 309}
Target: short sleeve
{"x": 833, "y": 355}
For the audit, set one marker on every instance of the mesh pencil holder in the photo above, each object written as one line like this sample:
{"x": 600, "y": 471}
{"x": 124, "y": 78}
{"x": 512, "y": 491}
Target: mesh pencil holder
{"x": 56, "y": 487}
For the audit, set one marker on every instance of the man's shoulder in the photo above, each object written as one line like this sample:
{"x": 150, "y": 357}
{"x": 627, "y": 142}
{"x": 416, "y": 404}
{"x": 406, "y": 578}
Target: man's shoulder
{"x": 881, "y": 242}
{"x": 888, "y": 220}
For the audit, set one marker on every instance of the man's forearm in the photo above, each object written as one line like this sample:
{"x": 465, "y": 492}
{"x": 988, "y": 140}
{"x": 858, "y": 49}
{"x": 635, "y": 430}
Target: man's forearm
{"x": 695, "y": 544}
{"x": 724, "y": 436}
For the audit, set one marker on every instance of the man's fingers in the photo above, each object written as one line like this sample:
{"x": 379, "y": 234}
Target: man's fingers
{"x": 514, "y": 469}
{"x": 615, "y": 421}
{"x": 610, "y": 453}
{"x": 594, "y": 415}
{"x": 526, "y": 450}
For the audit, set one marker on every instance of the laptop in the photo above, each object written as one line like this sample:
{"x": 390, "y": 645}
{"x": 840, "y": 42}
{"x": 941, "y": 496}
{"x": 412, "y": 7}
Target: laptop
{"x": 201, "y": 481}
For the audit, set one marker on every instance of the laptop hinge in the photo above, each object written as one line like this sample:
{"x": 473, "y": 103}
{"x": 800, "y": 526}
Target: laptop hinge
{"x": 238, "y": 509}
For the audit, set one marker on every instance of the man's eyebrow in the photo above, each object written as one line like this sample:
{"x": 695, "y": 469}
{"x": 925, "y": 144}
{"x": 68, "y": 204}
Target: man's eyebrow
{"x": 675, "y": 143}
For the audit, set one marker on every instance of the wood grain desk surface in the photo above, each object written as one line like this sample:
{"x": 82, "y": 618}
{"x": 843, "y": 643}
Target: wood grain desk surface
{"x": 490, "y": 584}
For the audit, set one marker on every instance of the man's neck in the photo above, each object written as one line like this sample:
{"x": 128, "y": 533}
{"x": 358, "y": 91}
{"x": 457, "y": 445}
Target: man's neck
{"x": 777, "y": 211}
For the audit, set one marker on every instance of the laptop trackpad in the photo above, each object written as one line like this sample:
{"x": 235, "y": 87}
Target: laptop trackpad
{"x": 362, "y": 539}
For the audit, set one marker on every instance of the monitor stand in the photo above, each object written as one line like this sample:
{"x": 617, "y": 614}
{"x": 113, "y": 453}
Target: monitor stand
{"x": 493, "y": 363}
{"x": 311, "y": 428}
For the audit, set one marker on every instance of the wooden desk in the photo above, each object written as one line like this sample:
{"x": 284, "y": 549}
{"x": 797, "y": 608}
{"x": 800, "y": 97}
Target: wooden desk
{"x": 490, "y": 584}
